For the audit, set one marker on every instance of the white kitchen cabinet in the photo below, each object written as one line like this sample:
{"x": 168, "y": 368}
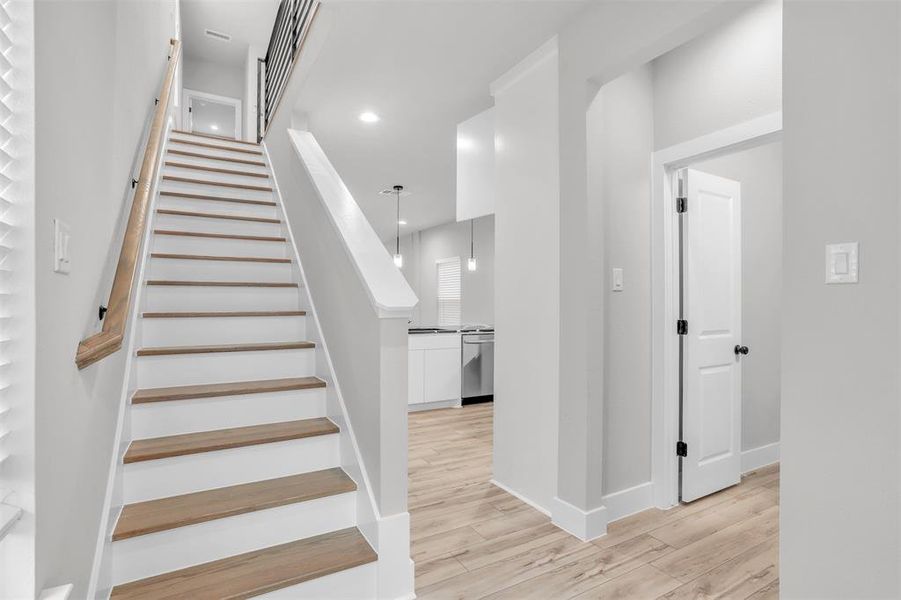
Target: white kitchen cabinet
{"x": 416, "y": 367}
{"x": 434, "y": 368}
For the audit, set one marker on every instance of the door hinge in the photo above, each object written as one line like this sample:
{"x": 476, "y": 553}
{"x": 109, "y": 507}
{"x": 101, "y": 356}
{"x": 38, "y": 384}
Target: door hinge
{"x": 682, "y": 327}
{"x": 681, "y": 205}
{"x": 681, "y": 449}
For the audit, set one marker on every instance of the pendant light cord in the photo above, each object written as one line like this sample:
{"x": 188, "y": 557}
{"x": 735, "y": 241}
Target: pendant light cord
{"x": 471, "y": 239}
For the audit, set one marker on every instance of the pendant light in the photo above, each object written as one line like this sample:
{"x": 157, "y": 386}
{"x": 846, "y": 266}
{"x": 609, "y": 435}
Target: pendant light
{"x": 471, "y": 264}
{"x": 398, "y": 257}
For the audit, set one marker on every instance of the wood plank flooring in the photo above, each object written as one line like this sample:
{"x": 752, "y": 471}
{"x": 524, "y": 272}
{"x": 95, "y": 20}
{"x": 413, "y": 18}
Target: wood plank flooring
{"x": 472, "y": 540}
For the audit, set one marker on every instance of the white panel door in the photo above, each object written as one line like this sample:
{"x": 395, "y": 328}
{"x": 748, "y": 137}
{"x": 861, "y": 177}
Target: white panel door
{"x": 711, "y": 275}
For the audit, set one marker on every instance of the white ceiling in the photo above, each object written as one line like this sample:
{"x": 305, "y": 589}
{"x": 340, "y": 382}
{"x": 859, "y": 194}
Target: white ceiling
{"x": 423, "y": 66}
{"x": 247, "y": 21}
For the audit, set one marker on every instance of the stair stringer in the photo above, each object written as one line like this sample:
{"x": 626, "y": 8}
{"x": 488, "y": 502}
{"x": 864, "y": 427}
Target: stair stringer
{"x": 389, "y": 536}
{"x": 100, "y": 583}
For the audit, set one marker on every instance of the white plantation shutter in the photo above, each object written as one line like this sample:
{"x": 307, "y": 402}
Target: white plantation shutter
{"x": 449, "y": 291}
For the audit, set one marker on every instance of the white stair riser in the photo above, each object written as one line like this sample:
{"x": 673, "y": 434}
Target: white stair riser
{"x": 159, "y": 298}
{"x": 358, "y": 583}
{"x": 215, "y": 190}
{"x": 180, "y": 145}
{"x": 161, "y": 552}
{"x": 225, "y": 142}
{"x": 218, "y": 270}
{"x": 195, "y": 173}
{"x": 152, "y": 479}
{"x": 221, "y": 330}
{"x": 182, "y": 244}
{"x": 208, "y": 225}
{"x": 217, "y": 164}
{"x": 159, "y": 419}
{"x": 217, "y": 206}
{"x": 224, "y": 367}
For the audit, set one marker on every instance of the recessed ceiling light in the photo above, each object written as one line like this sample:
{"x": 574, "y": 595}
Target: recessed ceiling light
{"x": 214, "y": 127}
{"x": 369, "y": 117}
{"x": 401, "y": 222}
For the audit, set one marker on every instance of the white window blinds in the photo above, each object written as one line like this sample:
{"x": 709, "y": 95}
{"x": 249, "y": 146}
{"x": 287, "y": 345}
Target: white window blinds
{"x": 449, "y": 291}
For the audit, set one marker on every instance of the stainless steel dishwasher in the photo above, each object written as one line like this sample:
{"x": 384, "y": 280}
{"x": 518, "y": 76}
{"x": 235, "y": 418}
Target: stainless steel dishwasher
{"x": 477, "y": 352}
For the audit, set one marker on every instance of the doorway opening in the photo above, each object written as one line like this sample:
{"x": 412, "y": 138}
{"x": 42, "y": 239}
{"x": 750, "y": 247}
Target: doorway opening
{"x": 717, "y": 283}
{"x": 211, "y": 115}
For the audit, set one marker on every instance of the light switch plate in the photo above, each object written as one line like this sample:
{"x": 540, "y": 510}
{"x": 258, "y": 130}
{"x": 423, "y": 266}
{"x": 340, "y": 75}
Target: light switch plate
{"x": 617, "y": 279}
{"x": 842, "y": 262}
{"x": 61, "y": 262}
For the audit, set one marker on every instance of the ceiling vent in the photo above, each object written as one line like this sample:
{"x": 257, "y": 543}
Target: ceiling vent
{"x": 217, "y": 35}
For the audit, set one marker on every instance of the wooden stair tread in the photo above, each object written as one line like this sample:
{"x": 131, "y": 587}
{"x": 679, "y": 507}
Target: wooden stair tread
{"x": 228, "y": 184}
{"x": 216, "y": 198}
{"x": 258, "y": 572}
{"x": 163, "y": 514}
{"x": 224, "y": 439}
{"x": 215, "y": 137}
{"x": 179, "y": 165}
{"x": 260, "y": 259}
{"x": 218, "y": 348}
{"x": 215, "y": 390}
{"x": 179, "y": 283}
{"x": 241, "y": 161}
{"x": 224, "y": 236}
{"x": 216, "y": 146}
{"x": 204, "y": 215}
{"x": 238, "y": 313}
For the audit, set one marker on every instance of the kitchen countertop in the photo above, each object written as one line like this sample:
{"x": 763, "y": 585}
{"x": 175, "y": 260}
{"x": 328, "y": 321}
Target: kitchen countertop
{"x": 419, "y": 330}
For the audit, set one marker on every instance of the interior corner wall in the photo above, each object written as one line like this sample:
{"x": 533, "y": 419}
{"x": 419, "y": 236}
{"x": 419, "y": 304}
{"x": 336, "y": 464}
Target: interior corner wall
{"x": 527, "y": 305}
{"x": 98, "y": 67}
{"x": 620, "y": 141}
{"x": 840, "y": 483}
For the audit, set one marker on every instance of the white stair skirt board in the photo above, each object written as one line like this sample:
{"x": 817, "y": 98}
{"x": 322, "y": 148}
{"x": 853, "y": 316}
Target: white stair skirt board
{"x": 180, "y": 244}
{"x": 351, "y": 584}
{"x": 213, "y": 225}
{"x": 185, "y": 331}
{"x": 147, "y": 555}
{"x": 759, "y": 457}
{"x": 60, "y": 592}
{"x": 224, "y": 367}
{"x": 161, "y": 298}
{"x": 190, "y": 269}
{"x": 152, "y": 479}
{"x": 9, "y": 514}
{"x": 585, "y": 525}
{"x": 173, "y": 417}
{"x": 520, "y": 497}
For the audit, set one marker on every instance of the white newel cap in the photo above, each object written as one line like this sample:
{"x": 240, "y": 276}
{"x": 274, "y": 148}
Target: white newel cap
{"x": 388, "y": 290}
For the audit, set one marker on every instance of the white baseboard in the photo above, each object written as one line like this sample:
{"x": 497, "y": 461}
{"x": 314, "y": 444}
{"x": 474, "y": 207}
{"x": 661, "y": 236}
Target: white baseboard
{"x": 61, "y": 592}
{"x": 395, "y": 568}
{"x": 629, "y": 501}
{"x": 519, "y": 496}
{"x": 759, "y": 457}
{"x": 585, "y": 525}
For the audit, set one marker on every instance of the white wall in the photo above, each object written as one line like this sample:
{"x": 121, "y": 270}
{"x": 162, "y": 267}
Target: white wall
{"x": 475, "y": 166}
{"x": 99, "y": 66}
{"x": 620, "y": 142}
{"x": 215, "y": 78}
{"x": 726, "y": 76}
{"x": 760, "y": 172}
{"x": 423, "y": 248}
{"x": 527, "y": 308}
{"x": 840, "y": 416}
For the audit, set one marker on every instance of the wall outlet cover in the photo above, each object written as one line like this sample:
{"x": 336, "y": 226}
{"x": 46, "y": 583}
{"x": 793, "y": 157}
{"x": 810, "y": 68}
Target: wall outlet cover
{"x": 842, "y": 262}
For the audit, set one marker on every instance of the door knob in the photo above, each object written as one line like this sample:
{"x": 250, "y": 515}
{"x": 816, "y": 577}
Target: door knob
{"x": 741, "y": 350}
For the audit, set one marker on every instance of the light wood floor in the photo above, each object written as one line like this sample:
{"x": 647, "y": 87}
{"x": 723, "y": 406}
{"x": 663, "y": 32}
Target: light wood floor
{"x": 472, "y": 540}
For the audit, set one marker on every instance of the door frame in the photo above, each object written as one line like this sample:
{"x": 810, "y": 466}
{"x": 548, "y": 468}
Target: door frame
{"x": 665, "y": 288}
{"x": 188, "y": 123}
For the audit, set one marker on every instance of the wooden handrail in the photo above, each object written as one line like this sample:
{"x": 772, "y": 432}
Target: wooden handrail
{"x": 109, "y": 339}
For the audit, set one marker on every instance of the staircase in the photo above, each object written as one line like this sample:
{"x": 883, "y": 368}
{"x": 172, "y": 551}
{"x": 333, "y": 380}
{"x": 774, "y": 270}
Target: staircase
{"x": 231, "y": 485}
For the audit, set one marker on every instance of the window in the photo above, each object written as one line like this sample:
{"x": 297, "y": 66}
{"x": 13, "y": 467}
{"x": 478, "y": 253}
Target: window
{"x": 449, "y": 303}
